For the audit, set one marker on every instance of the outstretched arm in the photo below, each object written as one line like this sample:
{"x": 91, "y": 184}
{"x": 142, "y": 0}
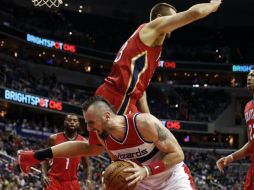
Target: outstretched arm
{"x": 165, "y": 24}
{"x": 26, "y": 159}
{"x": 237, "y": 155}
{"x": 76, "y": 148}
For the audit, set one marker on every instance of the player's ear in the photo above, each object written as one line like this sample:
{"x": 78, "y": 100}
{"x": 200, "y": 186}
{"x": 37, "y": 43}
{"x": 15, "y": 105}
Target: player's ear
{"x": 158, "y": 15}
{"x": 107, "y": 115}
{"x": 78, "y": 124}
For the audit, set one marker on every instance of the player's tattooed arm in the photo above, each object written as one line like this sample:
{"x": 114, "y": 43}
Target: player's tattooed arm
{"x": 152, "y": 130}
{"x": 162, "y": 134}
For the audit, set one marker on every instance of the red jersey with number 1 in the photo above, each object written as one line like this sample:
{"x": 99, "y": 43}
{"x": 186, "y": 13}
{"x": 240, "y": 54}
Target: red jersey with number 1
{"x": 65, "y": 169}
{"x": 249, "y": 118}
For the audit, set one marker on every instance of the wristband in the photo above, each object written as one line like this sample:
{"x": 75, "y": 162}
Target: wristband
{"x": 147, "y": 172}
{"x": 157, "y": 167}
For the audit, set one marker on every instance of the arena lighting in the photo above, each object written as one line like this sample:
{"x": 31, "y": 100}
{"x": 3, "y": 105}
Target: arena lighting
{"x": 50, "y": 43}
{"x": 242, "y": 68}
{"x": 167, "y": 64}
{"x": 32, "y": 100}
{"x": 172, "y": 124}
{"x": 187, "y": 138}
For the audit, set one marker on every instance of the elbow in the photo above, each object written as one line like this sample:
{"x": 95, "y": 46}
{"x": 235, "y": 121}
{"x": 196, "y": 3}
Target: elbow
{"x": 180, "y": 156}
{"x": 195, "y": 14}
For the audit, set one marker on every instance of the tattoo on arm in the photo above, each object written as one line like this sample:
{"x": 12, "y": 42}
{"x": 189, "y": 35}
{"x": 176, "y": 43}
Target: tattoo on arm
{"x": 162, "y": 135}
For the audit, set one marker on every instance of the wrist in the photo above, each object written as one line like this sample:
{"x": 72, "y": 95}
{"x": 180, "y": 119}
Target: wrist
{"x": 156, "y": 167}
{"x": 231, "y": 157}
{"x": 148, "y": 171}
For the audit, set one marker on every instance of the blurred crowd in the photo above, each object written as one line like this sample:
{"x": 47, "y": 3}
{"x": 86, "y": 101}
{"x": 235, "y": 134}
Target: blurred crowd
{"x": 187, "y": 103}
{"x": 179, "y": 103}
{"x": 208, "y": 177}
{"x": 110, "y": 34}
{"x": 17, "y": 76}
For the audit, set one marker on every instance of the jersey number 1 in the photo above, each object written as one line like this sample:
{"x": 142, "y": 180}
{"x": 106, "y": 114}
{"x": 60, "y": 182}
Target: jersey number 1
{"x": 67, "y": 163}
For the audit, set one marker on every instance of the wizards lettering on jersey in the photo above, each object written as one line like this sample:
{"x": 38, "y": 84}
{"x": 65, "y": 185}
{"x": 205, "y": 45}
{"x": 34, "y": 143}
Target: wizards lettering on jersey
{"x": 249, "y": 115}
{"x": 32, "y": 100}
{"x": 131, "y": 155}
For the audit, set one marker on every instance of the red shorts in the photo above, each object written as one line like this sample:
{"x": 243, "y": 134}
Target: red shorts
{"x": 249, "y": 182}
{"x": 56, "y": 184}
{"x": 123, "y": 104}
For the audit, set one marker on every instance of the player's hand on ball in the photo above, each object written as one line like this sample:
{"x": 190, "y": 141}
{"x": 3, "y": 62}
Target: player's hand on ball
{"x": 139, "y": 173}
{"x": 103, "y": 186}
{"x": 223, "y": 162}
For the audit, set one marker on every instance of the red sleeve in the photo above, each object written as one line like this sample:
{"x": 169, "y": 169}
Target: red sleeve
{"x": 93, "y": 139}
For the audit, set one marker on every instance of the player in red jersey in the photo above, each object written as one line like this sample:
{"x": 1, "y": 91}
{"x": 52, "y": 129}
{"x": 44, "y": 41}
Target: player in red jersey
{"x": 248, "y": 148}
{"x": 62, "y": 172}
{"x": 138, "y": 58}
{"x": 156, "y": 156}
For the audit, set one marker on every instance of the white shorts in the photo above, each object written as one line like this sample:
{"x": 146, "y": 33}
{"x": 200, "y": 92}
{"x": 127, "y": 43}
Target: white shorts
{"x": 179, "y": 179}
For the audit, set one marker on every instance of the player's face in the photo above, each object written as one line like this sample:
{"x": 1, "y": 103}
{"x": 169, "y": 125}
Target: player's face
{"x": 71, "y": 123}
{"x": 96, "y": 123}
{"x": 250, "y": 81}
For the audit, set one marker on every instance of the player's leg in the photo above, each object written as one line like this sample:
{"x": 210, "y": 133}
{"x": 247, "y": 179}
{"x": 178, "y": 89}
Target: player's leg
{"x": 249, "y": 185}
{"x": 53, "y": 184}
{"x": 122, "y": 103}
{"x": 181, "y": 179}
{"x": 75, "y": 185}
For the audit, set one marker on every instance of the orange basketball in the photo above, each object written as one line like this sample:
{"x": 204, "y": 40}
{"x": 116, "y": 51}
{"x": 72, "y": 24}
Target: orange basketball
{"x": 114, "y": 176}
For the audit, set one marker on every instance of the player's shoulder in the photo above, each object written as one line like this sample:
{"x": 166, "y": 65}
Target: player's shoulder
{"x": 137, "y": 31}
{"x": 54, "y": 136}
{"x": 81, "y": 138}
{"x": 249, "y": 105}
{"x": 145, "y": 124}
{"x": 144, "y": 120}
{"x": 52, "y": 139}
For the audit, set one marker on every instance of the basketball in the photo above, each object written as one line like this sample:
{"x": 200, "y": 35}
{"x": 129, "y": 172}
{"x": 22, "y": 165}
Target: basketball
{"x": 114, "y": 176}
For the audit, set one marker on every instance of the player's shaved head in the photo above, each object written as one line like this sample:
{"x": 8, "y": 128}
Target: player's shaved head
{"x": 97, "y": 103}
{"x": 162, "y": 9}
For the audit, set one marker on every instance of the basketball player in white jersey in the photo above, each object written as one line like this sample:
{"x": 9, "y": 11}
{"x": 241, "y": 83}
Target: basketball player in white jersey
{"x": 141, "y": 138}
